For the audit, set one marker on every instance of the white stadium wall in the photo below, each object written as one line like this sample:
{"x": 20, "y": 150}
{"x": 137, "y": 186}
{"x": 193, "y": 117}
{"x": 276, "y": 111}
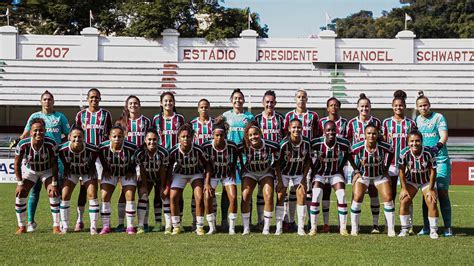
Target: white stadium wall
{"x": 194, "y": 68}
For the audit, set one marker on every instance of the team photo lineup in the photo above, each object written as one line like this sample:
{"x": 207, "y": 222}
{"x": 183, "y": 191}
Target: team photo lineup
{"x": 292, "y": 160}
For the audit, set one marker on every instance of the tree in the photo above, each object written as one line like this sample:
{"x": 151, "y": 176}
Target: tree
{"x": 132, "y": 18}
{"x": 431, "y": 19}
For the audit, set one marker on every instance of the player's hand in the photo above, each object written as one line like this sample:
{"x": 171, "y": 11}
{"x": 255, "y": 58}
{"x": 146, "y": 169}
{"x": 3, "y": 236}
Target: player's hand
{"x": 209, "y": 191}
{"x": 53, "y": 191}
{"x": 355, "y": 177}
{"x": 165, "y": 193}
{"x": 13, "y": 143}
{"x": 280, "y": 187}
{"x": 403, "y": 194}
{"x": 139, "y": 178}
{"x": 431, "y": 196}
{"x": 20, "y": 190}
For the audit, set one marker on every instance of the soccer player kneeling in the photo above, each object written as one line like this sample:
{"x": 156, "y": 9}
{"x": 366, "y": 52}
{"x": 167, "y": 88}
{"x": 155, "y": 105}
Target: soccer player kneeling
{"x": 418, "y": 170}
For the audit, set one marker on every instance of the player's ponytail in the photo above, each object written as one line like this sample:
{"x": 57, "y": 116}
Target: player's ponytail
{"x": 220, "y": 123}
{"x": 421, "y": 95}
{"x": 362, "y": 96}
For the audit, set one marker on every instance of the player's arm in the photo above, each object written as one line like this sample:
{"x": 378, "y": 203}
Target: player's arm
{"x": 103, "y": 162}
{"x": 431, "y": 195}
{"x": 306, "y": 167}
{"x": 315, "y": 128}
{"x": 66, "y": 164}
{"x": 277, "y": 167}
{"x": 53, "y": 189}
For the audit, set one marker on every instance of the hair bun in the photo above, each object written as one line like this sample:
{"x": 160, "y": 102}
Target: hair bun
{"x": 362, "y": 96}
{"x": 400, "y": 94}
{"x": 421, "y": 93}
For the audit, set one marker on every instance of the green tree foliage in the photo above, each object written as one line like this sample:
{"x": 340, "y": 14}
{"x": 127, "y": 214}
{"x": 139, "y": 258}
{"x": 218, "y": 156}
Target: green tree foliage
{"x": 131, "y": 18}
{"x": 430, "y": 19}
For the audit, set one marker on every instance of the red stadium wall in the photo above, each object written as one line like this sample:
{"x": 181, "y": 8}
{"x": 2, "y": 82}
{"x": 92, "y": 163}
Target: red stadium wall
{"x": 462, "y": 173}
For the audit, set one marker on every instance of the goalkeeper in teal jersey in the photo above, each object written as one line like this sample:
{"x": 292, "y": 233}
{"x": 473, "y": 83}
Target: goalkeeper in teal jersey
{"x": 57, "y": 126}
{"x": 434, "y": 128}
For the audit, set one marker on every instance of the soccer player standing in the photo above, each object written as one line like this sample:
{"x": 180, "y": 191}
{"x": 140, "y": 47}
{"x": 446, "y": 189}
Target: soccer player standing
{"x": 96, "y": 123}
{"x": 56, "y": 126}
{"x": 271, "y": 123}
{"x": 356, "y": 133}
{"x": 333, "y": 106}
{"x": 167, "y": 123}
{"x": 434, "y": 128}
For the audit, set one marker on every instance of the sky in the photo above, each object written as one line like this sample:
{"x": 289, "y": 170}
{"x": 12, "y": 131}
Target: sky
{"x": 302, "y": 18}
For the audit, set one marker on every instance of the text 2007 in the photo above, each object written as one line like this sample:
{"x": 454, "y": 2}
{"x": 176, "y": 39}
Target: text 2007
{"x": 51, "y": 52}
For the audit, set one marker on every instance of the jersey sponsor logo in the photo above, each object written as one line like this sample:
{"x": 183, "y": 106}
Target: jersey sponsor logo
{"x": 397, "y": 135}
{"x": 430, "y": 135}
{"x": 134, "y": 134}
{"x": 258, "y": 162}
{"x": 54, "y": 122}
{"x": 271, "y": 131}
{"x": 52, "y": 130}
{"x": 238, "y": 129}
{"x": 90, "y": 126}
{"x": 221, "y": 164}
{"x": 170, "y": 132}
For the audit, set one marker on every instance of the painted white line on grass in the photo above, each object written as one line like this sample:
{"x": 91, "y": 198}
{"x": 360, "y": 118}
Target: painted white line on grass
{"x": 456, "y": 205}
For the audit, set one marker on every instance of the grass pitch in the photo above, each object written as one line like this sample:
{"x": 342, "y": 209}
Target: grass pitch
{"x": 42, "y": 247}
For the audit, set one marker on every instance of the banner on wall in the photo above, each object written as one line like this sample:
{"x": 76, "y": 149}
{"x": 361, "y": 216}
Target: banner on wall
{"x": 7, "y": 171}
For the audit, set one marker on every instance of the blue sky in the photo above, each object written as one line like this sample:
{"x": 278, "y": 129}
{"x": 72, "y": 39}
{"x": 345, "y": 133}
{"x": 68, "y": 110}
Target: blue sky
{"x": 301, "y": 18}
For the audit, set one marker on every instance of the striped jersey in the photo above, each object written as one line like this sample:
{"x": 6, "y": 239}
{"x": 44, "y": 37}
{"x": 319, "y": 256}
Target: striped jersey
{"x": 356, "y": 128}
{"x": 152, "y": 163}
{"x": 430, "y": 128}
{"x": 237, "y": 123}
{"x": 309, "y": 121}
{"x": 119, "y": 163}
{"x": 260, "y": 160}
{"x": 78, "y": 163}
{"x": 56, "y": 124}
{"x": 96, "y": 125}
{"x": 371, "y": 164}
{"x": 190, "y": 163}
{"x": 417, "y": 167}
{"x": 396, "y": 134}
{"x": 223, "y": 161}
{"x": 330, "y": 160}
{"x": 341, "y": 126}
{"x": 272, "y": 127}
{"x": 37, "y": 160}
{"x": 202, "y": 131}
{"x": 136, "y": 130}
{"x": 168, "y": 128}
{"x": 294, "y": 156}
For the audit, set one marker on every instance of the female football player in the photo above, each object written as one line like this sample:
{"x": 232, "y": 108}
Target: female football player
{"x": 237, "y": 119}
{"x": 79, "y": 159}
{"x": 271, "y": 122}
{"x": 356, "y": 133}
{"x": 152, "y": 160}
{"x": 309, "y": 120}
{"x": 135, "y": 125}
{"x": 117, "y": 158}
{"x": 57, "y": 126}
{"x": 372, "y": 159}
{"x": 189, "y": 161}
{"x": 330, "y": 155}
{"x": 96, "y": 123}
{"x": 417, "y": 170}
{"x": 294, "y": 165}
{"x": 222, "y": 156}
{"x": 35, "y": 160}
{"x": 434, "y": 128}
{"x": 167, "y": 123}
{"x": 333, "y": 106}
{"x": 258, "y": 157}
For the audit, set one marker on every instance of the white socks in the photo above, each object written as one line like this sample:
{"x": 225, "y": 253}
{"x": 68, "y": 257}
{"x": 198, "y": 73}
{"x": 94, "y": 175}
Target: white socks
{"x": 20, "y": 208}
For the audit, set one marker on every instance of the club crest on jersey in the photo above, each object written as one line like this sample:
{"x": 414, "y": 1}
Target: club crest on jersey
{"x": 54, "y": 122}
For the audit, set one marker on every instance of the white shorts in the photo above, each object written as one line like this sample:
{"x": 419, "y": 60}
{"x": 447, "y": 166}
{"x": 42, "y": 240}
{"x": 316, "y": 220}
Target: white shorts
{"x": 98, "y": 167}
{"x": 83, "y": 178}
{"x": 393, "y": 170}
{"x": 258, "y": 176}
{"x": 372, "y": 180}
{"x": 291, "y": 180}
{"x": 114, "y": 180}
{"x": 225, "y": 182}
{"x": 418, "y": 186}
{"x": 34, "y": 176}
{"x": 180, "y": 181}
{"x": 331, "y": 179}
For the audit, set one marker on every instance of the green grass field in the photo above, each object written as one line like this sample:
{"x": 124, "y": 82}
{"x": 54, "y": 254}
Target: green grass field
{"x": 42, "y": 247}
